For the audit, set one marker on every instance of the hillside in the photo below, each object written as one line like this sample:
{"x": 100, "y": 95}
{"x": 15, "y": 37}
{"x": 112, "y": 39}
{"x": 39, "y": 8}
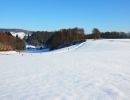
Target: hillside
{"x": 9, "y": 42}
{"x": 20, "y": 32}
{"x": 21, "y": 35}
{"x": 93, "y": 70}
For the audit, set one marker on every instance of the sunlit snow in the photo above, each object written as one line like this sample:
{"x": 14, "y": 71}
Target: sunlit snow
{"x": 93, "y": 70}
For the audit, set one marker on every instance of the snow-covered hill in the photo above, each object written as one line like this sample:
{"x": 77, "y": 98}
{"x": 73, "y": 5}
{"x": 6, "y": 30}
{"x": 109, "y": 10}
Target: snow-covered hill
{"x": 93, "y": 70}
{"x": 20, "y": 34}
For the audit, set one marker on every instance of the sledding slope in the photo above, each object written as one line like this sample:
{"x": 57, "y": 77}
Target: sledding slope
{"x": 93, "y": 70}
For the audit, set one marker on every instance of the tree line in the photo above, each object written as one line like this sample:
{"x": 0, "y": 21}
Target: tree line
{"x": 71, "y": 36}
{"x": 65, "y": 37}
{"x": 9, "y": 42}
{"x": 39, "y": 38}
{"x": 56, "y": 39}
{"x": 96, "y": 34}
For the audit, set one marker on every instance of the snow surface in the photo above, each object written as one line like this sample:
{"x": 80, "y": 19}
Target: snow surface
{"x": 31, "y": 46}
{"x": 21, "y": 35}
{"x": 93, "y": 70}
{"x": 8, "y": 52}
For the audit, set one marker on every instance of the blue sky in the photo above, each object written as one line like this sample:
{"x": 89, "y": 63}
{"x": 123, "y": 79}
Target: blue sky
{"x": 107, "y": 15}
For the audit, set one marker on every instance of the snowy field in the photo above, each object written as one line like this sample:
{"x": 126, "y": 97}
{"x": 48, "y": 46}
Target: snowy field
{"x": 93, "y": 70}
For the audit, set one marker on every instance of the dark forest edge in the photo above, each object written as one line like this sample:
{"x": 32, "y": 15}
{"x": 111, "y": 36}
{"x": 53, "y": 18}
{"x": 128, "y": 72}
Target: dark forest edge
{"x": 96, "y": 34}
{"x": 54, "y": 40}
{"x": 9, "y": 42}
